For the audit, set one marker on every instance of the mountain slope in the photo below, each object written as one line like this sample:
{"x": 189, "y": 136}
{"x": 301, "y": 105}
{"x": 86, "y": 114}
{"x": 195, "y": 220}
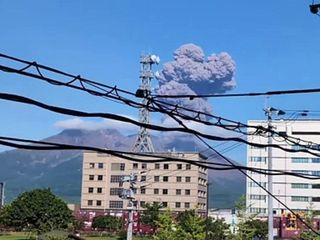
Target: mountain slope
{"x": 61, "y": 170}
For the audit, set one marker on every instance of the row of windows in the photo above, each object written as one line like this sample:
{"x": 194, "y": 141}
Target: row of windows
{"x": 166, "y": 179}
{"x": 257, "y": 210}
{"x": 258, "y": 159}
{"x": 119, "y": 204}
{"x": 91, "y": 190}
{"x": 293, "y": 160}
{"x": 165, "y": 166}
{"x": 315, "y": 173}
{"x": 99, "y": 177}
{"x": 253, "y": 184}
{"x": 305, "y": 160}
{"x": 165, "y": 204}
{"x": 96, "y": 165}
{"x": 112, "y": 204}
{"x": 257, "y": 197}
{"x": 305, "y": 185}
{"x": 305, "y": 199}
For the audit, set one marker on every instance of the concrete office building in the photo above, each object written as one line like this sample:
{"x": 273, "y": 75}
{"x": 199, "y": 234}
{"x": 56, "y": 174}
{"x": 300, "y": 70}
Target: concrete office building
{"x": 297, "y": 193}
{"x": 175, "y": 185}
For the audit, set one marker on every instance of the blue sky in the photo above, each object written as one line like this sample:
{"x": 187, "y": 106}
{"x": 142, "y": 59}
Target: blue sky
{"x": 275, "y": 45}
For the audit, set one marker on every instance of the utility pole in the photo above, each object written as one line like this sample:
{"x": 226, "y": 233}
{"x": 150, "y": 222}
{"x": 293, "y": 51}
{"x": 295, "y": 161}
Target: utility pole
{"x": 129, "y": 194}
{"x": 2, "y": 194}
{"x": 207, "y": 211}
{"x": 268, "y": 112}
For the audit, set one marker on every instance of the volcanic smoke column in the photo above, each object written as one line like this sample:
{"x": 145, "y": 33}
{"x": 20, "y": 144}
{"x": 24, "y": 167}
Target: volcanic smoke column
{"x": 192, "y": 73}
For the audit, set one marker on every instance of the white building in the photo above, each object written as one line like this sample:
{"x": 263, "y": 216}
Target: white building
{"x": 297, "y": 193}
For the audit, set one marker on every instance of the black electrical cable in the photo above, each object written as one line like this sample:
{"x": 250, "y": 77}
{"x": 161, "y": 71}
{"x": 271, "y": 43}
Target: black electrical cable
{"x": 71, "y": 112}
{"x": 252, "y": 179}
{"x": 155, "y": 158}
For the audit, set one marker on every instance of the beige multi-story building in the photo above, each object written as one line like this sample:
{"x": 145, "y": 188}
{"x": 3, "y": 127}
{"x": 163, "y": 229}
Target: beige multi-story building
{"x": 176, "y": 185}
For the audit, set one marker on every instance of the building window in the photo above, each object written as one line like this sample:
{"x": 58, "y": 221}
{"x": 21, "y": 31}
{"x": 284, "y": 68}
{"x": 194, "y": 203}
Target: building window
{"x": 115, "y": 204}
{"x": 90, "y": 202}
{"x": 164, "y": 191}
{"x": 299, "y": 185}
{"x": 258, "y": 159}
{"x": 115, "y": 191}
{"x": 315, "y": 186}
{"x": 257, "y": 210}
{"x": 178, "y": 191}
{"x": 122, "y": 166}
{"x": 157, "y": 166}
{"x": 142, "y": 190}
{"x": 165, "y": 166}
{"x": 179, "y": 179}
{"x": 165, "y": 178}
{"x": 116, "y": 178}
{"x": 315, "y": 160}
{"x": 257, "y": 197}
{"x": 188, "y": 179}
{"x": 156, "y": 178}
{"x": 144, "y": 166}
{"x": 300, "y": 171}
{"x": 100, "y": 165}
{"x": 91, "y": 177}
{"x": 91, "y": 165}
{"x": 315, "y": 199}
{"x": 143, "y": 178}
{"x": 179, "y": 166}
{"x": 299, "y": 160}
{"x": 117, "y": 166}
{"x": 164, "y": 204}
{"x": 98, "y": 202}
{"x": 315, "y": 173}
{"x": 299, "y": 199}
{"x": 100, "y": 177}
{"x": 142, "y": 204}
{"x": 156, "y": 191}
{"x": 178, "y": 205}
{"x": 253, "y": 184}
{"x": 186, "y": 205}
{"x": 99, "y": 190}
{"x": 135, "y": 166}
{"x": 90, "y": 190}
{"x": 188, "y": 166}
{"x": 187, "y": 192}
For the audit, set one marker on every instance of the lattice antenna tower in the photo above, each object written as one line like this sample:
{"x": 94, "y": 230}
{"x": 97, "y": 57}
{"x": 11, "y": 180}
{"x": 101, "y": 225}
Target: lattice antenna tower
{"x": 143, "y": 142}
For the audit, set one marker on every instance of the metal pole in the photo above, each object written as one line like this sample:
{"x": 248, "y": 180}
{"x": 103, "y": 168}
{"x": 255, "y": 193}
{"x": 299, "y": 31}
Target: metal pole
{"x": 130, "y": 221}
{"x": 270, "y": 200}
{"x": 207, "y": 212}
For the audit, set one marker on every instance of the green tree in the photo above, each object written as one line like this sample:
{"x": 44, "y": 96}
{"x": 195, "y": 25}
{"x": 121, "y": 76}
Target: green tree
{"x": 151, "y": 214}
{"x": 38, "y": 210}
{"x": 251, "y": 228}
{"x": 167, "y": 229}
{"x": 109, "y": 223}
{"x": 218, "y": 229}
{"x": 191, "y": 226}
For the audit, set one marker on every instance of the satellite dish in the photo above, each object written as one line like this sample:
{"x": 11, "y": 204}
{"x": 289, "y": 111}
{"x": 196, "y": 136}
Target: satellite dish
{"x": 155, "y": 59}
{"x": 157, "y": 74}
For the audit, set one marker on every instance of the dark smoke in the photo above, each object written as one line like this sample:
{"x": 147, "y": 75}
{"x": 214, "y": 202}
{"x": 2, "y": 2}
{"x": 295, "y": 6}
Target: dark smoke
{"x": 192, "y": 73}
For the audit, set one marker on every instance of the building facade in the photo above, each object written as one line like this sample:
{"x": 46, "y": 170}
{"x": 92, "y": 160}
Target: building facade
{"x": 175, "y": 185}
{"x": 297, "y": 193}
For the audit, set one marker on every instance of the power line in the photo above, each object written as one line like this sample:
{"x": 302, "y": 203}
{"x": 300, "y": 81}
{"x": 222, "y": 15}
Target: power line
{"x": 112, "y": 93}
{"x": 72, "y": 112}
{"x": 252, "y": 179}
{"x": 252, "y": 94}
{"x": 149, "y": 158}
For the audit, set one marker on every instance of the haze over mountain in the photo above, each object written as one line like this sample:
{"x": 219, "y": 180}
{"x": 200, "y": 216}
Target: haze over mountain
{"x": 22, "y": 170}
